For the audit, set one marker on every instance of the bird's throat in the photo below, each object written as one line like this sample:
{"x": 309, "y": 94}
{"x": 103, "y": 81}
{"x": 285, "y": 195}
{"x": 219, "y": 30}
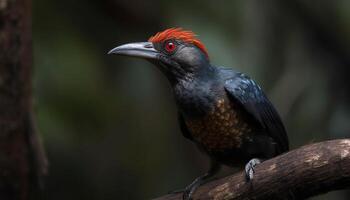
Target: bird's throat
{"x": 195, "y": 98}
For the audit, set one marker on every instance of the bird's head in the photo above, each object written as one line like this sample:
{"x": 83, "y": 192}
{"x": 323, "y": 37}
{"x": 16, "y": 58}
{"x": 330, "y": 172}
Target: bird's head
{"x": 177, "y": 53}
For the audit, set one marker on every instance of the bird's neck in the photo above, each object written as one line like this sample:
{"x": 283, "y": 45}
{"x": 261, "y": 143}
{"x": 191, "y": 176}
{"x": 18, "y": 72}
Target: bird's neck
{"x": 194, "y": 95}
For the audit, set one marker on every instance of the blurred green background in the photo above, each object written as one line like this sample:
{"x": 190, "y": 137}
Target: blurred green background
{"x": 109, "y": 123}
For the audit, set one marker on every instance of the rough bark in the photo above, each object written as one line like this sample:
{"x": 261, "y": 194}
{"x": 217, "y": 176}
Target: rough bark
{"x": 304, "y": 172}
{"x": 22, "y": 161}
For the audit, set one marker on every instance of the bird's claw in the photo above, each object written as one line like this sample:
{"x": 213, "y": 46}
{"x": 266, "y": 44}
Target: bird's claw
{"x": 187, "y": 194}
{"x": 250, "y": 168}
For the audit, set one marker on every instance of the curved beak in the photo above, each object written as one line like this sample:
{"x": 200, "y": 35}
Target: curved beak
{"x": 138, "y": 49}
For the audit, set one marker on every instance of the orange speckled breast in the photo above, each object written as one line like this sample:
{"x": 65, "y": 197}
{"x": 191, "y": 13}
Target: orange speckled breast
{"x": 221, "y": 129}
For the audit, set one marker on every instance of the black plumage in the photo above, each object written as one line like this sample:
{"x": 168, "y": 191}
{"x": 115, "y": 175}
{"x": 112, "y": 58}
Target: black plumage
{"x": 249, "y": 94}
{"x": 196, "y": 100}
{"x": 224, "y": 112}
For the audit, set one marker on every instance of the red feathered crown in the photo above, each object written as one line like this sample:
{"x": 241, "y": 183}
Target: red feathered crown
{"x": 178, "y": 34}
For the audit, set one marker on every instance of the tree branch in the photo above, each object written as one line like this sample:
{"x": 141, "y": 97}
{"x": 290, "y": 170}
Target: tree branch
{"x": 304, "y": 172}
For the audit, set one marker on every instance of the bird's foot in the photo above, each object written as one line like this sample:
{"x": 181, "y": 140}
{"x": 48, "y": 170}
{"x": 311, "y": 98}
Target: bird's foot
{"x": 250, "y": 168}
{"x": 190, "y": 189}
{"x": 187, "y": 193}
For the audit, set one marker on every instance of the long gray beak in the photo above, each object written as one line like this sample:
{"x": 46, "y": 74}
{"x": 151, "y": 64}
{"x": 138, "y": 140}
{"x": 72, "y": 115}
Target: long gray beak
{"x": 138, "y": 49}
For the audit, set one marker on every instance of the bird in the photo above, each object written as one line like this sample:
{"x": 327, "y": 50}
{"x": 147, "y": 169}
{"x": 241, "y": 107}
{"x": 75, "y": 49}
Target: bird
{"x": 223, "y": 112}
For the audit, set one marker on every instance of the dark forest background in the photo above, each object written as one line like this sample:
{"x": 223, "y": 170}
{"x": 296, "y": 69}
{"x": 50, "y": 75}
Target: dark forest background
{"x": 109, "y": 123}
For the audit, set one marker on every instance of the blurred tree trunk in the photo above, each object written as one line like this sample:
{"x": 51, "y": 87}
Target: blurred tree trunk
{"x": 22, "y": 161}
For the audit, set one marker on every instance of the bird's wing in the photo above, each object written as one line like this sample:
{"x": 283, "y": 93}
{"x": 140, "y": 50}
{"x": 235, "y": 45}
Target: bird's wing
{"x": 244, "y": 90}
{"x": 185, "y": 132}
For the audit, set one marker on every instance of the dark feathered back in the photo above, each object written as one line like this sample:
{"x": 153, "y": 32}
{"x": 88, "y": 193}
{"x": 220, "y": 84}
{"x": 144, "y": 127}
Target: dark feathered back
{"x": 244, "y": 90}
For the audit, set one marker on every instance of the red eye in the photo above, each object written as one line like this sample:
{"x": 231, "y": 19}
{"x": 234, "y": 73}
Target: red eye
{"x": 170, "y": 46}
